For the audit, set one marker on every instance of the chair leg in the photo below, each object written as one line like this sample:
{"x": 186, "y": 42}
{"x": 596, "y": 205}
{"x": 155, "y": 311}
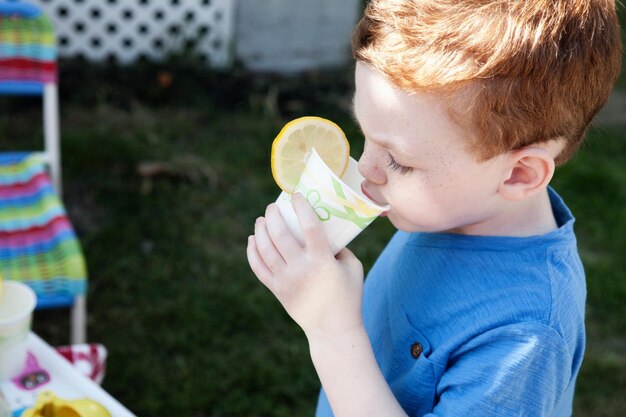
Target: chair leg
{"x": 51, "y": 134}
{"x": 79, "y": 320}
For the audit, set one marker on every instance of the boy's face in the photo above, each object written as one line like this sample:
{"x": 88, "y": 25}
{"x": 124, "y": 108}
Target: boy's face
{"x": 417, "y": 160}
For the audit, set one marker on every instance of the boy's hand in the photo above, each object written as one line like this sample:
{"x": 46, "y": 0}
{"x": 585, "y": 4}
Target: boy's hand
{"x": 321, "y": 292}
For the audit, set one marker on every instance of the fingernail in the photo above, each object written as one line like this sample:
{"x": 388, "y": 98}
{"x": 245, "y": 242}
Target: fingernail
{"x": 297, "y": 196}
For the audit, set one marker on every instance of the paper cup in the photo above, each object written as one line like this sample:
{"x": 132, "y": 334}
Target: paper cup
{"x": 16, "y": 308}
{"x": 5, "y": 410}
{"x": 339, "y": 203}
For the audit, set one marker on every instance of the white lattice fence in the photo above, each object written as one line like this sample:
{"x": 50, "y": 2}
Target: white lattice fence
{"x": 130, "y": 29}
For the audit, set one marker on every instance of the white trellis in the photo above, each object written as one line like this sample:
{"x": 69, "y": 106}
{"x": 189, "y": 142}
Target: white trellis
{"x": 128, "y": 30}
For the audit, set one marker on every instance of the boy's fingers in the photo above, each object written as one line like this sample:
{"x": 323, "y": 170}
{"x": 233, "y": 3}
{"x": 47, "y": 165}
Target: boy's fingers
{"x": 263, "y": 273}
{"x": 314, "y": 237}
{"x": 280, "y": 234}
{"x": 346, "y": 257}
{"x": 269, "y": 254}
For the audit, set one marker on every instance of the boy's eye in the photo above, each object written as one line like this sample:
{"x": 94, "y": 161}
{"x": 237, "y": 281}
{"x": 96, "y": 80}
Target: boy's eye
{"x": 397, "y": 167}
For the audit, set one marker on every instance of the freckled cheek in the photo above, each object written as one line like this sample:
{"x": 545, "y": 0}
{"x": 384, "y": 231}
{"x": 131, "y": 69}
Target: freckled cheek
{"x": 450, "y": 174}
{"x": 442, "y": 188}
{"x": 450, "y": 181}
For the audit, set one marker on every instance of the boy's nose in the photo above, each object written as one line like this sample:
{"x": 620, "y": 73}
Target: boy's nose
{"x": 370, "y": 168}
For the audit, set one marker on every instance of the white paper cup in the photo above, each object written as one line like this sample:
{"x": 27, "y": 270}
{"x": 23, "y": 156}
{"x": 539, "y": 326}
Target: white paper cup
{"x": 5, "y": 410}
{"x": 339, "y": 203}
{"x": 16, "y": 308}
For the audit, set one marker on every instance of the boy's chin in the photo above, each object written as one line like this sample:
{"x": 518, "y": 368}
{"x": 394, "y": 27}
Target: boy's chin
{"x": 401, "y": 224}
{"x": 404, "y": 226}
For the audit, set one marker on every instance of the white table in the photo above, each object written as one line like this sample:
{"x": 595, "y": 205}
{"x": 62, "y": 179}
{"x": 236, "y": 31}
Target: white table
{"x": 65, "y": 381}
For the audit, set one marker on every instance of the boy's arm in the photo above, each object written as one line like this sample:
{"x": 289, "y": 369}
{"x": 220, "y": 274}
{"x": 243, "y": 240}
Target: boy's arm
{"x": 323, "y": 293}
{"x": 351, "y": 377}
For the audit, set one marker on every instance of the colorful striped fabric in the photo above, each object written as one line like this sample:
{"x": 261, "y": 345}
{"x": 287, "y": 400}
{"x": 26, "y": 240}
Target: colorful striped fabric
{"x": 38, "y": 245}
{"x": 27, "y": 49}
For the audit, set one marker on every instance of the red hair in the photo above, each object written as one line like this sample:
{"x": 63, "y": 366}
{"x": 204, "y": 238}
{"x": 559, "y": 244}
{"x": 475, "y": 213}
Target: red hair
{"x": 516, "y": 72}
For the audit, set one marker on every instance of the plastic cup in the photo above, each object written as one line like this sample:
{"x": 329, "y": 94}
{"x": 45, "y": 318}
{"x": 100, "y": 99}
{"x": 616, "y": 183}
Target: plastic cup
{"x": 16, "y": 309}
{"x": 338, "y": 202}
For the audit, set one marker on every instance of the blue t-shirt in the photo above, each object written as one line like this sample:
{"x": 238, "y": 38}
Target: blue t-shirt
{"x": 483, "y": 326}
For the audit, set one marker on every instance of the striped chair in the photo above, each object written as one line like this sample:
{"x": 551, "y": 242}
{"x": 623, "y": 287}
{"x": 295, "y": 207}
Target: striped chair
{"x": 38, "y": 245}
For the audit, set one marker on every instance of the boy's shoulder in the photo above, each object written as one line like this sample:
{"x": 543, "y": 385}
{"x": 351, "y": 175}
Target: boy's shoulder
{"x": 499, "y": 282}
{"x": 463, "y": 285}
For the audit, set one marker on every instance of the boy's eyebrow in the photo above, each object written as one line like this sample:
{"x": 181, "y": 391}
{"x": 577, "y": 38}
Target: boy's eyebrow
{"x": 382, "y": 141}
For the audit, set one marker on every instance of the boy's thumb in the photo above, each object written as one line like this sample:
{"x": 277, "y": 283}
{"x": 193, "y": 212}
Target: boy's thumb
{"x": 346, "y": 257}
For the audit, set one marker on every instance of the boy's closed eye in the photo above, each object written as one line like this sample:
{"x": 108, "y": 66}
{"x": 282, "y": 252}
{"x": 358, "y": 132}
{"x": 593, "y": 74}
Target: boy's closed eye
{"x": 398, "y": 167}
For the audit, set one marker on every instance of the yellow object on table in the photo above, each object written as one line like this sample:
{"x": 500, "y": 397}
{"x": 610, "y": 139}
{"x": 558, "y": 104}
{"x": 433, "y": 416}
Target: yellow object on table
{"x": 49, "y": 405}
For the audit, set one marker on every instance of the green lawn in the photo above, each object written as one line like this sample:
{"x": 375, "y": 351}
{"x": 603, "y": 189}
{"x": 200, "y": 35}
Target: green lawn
{"x": 190, "y": 331}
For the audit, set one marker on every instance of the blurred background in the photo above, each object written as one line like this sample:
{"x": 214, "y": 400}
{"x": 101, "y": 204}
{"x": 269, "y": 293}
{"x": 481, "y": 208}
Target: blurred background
{"x": 168, "y": 111}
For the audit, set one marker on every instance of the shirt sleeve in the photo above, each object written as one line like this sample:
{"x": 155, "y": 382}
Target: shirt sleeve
{"x": 519, "y": 370}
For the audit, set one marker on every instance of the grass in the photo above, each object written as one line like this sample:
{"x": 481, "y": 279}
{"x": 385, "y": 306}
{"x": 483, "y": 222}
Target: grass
{"x": 190, "y": 331}
{"x": 593, "y": 183}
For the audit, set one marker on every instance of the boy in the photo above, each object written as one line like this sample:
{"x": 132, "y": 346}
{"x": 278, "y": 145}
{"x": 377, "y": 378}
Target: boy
{"x": 476, "y": 305}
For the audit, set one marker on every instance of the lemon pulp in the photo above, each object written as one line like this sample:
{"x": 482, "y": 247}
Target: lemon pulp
{"x": 294, "y": 143}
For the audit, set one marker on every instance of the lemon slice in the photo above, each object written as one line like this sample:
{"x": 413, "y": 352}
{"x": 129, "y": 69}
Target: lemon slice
{"x": 294, "y": 143}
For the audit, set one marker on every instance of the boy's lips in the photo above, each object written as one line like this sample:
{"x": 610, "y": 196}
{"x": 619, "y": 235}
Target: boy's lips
{"x": 364, "y": 191}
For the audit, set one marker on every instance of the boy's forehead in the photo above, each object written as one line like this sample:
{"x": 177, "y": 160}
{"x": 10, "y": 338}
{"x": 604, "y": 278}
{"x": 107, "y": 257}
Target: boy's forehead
{"x": 404, "y": 121}
{"x": 377, "y": 99}
{"x": 375, "y": 89}
{"x": 378, "y": 95}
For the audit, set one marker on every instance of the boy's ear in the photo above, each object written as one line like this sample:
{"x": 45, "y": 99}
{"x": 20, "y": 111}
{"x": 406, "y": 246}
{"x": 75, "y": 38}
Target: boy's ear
{"x": 529, "y": 171}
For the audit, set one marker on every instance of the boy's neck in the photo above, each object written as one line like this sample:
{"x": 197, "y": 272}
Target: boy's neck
{"x": 530, "y": 217}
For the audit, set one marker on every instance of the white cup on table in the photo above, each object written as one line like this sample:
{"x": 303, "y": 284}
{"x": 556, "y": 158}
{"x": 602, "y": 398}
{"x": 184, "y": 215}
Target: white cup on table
{"x": 17, "y": 303}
